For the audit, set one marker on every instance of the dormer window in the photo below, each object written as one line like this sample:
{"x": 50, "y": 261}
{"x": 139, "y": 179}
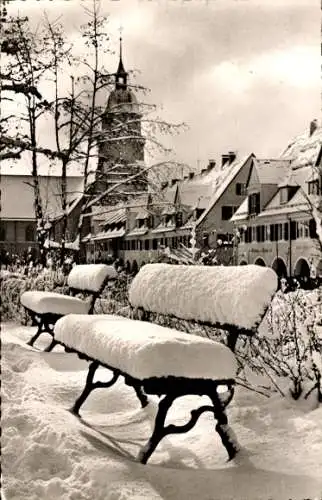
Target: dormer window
{"x": 140, "y": 223}
{"x": 199, "y": 212}
{"x": 254, "y": 204}
{"x": 313, "y": 187}
{"x": 179, "y": 218}
{"x": 284, "y": 195}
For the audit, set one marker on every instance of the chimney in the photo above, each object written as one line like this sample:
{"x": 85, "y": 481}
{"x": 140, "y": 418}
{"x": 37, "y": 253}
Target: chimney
{"x": 232, "y": 157}
{"x": 313, "y": 126}
{"x": 228, "y": 158}
{"x": 224, "y": 159}
{"x": 211, "y": 164}
{"x": 191, "y": 175}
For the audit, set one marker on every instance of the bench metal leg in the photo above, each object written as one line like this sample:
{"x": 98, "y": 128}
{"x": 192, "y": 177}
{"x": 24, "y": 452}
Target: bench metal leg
{"x": 51, "y": 345}
{"x": 37, "y": 334}
{"x": 225, "y": 432}
{"x": 159, "y": 430}
{"x": 90, "y": 386}
{"x": 141, "y": 395}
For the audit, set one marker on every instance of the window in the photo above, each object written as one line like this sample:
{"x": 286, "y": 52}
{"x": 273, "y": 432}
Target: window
{"x": 227, "y": 212}
{"x": 179, "y": 219}
{"x": 133, "y": 245}
{"x": 313, "y": 187}
{"x": 146, "y": 245}
{"x": 260, "y": 234}
{"x": 254, "y": 204}
{"x": 199, "y": 212}
{"x": 284, "y": 195}
{"x": 240, "y": 189}
{"x": 2, "y": 233}
{"x": 293, "y": 231}
{"x": 154, "y": 244}
{"x": 312, "y": 229}
{"x": 30, "y": 233}
{"x": 286, "y": 231}
{"x": 248, "y": 235}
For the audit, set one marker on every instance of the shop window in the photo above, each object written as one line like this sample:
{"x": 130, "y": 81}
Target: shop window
{"x": 30, "y": 234}
{"x": 286, "y": 231}
{"x": 2, "y": 233}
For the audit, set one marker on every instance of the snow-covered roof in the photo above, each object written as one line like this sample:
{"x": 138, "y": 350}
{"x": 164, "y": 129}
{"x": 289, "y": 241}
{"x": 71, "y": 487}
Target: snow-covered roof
{"x": 109, "y": 234}
{"x": 18, "y": 196}
{"x": 233, "y": 295}
{"x": 242, "y": 211}
{"x": 138, "y": 231}
{"x": 298, "y": 203}
{"x": 298, "y": 177}
{"x": 114, "y": 217}
{"x": 144, "y": 350}
{"x": 224, "y": 180}
{"x": 271, "y": 171}
{"x": 305, "y": 149}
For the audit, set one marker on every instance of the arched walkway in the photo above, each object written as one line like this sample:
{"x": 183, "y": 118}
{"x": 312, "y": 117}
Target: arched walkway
{"x": 260, "y": 262}
{"x": 302, "y": 269}
{"x": 243, "y": 263}
{"x": 279, "y": 267}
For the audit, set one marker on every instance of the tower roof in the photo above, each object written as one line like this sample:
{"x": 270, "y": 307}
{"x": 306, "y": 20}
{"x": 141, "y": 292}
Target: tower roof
{"x": 120, "y": 70}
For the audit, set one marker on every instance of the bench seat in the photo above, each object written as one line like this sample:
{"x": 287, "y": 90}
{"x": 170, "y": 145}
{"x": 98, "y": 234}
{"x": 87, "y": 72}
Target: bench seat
{"x": 144, "y": 350}
{"x": 45, "y": 308}
{"x": 53, "y": 303}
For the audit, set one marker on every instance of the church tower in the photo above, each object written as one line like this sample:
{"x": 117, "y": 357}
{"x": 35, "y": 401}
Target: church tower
{"x": 122, "y": 148}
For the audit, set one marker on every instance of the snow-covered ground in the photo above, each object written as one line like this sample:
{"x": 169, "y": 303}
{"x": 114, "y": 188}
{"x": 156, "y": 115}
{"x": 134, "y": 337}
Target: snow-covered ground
{"x": 47, "y": 453}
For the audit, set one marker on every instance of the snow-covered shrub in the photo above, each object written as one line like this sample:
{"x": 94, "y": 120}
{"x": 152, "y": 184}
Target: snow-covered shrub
{"x": 13, "y": 285}
{"x": 115, "y": 297}
{"x": 288, "y": 345}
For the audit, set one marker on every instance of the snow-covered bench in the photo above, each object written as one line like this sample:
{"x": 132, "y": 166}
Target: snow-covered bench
{"x": 45, "y": 308}
{"x": 158, "y": 360}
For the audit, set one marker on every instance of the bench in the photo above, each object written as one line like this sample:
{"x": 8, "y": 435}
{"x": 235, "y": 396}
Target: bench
{"x": 45, "y": 308}
{"x": 163, "y": 361}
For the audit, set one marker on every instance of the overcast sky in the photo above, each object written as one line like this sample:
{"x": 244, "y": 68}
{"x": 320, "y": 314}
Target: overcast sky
{"x": 244, "y": 75}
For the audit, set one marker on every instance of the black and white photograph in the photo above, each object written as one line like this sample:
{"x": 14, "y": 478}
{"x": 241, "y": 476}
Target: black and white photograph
{"x": 161, "y": 249}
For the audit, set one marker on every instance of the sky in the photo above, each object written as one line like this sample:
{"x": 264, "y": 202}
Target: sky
{"x": 244, "y": 75}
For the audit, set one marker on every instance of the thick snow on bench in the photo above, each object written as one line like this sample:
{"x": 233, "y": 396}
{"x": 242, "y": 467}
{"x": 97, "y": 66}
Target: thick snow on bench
{"x": 90, "y": 277}
{"x": 53, "y": 303}
{"x": 143, "y": 350}
{"x": 234, "y": 295}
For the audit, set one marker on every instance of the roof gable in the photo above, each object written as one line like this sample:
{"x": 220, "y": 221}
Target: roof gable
{"x": 229, "y": 174}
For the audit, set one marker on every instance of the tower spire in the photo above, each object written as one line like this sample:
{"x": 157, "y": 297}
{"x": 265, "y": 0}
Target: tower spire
{"x": 121, "y": 74}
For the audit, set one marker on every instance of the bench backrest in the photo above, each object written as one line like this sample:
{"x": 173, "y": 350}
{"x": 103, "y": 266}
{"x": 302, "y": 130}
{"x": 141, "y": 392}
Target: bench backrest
{"x": 90, "y": 278}
{"x": 234, "y": 298}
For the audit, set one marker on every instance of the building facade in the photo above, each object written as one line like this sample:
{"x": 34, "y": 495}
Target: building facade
{"x": 201, "y": 203}
{"x": 18, "y": 222}
{"x": 275, "y": 222}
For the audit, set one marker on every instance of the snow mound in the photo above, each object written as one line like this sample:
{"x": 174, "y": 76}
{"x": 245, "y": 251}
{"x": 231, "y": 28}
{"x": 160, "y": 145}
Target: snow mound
{"x": 90, "y": 276}
{"x": 234, "y": 295}
{"x": 54, "y": 303}
{"x": 144, "y": 350}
